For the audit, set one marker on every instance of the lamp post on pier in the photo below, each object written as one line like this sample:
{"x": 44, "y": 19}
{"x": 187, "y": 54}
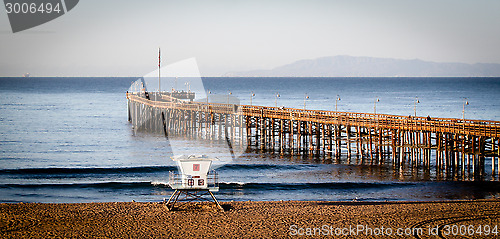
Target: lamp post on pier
{"x": 466, "y": 102}
{"x": 375, "y": 105}
{"x": 228, "y": 94}
{"x": 415, "y": 106}
{"x": 276, "y": 100}
{"x": 208, "y": 94}
{"x": 306, "y": 97}
{"x": 336, "y": 100}
{"x": 251, "y": 97}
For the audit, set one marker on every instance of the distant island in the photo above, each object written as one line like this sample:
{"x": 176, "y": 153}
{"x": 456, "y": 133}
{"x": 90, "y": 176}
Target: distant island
{"x": 350, "y": 66}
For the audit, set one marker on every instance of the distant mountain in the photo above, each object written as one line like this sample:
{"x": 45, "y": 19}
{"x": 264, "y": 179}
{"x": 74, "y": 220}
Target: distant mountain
{"x": 370, "y": 66}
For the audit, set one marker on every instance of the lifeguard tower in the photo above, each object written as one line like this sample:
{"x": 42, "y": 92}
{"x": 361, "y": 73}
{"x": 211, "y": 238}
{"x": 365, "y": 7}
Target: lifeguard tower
{"x": 194, "y": 181}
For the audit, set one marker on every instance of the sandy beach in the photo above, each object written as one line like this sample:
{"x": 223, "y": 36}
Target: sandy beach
{"x": 251, "y": 219}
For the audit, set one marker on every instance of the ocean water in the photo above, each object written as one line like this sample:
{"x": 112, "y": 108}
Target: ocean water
{"x": 68, "y": 140}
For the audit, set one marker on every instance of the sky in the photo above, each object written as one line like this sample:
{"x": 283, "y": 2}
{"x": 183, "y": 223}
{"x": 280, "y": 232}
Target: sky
{"x": 122, "y": 37}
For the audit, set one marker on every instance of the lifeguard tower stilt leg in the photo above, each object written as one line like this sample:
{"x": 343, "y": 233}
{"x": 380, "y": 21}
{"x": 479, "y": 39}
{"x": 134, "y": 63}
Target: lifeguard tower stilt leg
{"x": 215, "y": 200}
{"x": 174, "y": 195}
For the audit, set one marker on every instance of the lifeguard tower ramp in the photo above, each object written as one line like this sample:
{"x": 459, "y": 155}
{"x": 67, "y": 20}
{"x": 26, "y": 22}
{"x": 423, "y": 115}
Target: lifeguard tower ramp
{"x": 194, "y": 181}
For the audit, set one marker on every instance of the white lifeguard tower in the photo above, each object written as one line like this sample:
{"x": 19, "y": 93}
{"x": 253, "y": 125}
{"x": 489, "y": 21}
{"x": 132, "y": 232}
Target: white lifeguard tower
{"x": 194, "y": 181}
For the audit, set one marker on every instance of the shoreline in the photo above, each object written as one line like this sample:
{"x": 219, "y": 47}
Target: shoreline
{"x": 250, "y": 219}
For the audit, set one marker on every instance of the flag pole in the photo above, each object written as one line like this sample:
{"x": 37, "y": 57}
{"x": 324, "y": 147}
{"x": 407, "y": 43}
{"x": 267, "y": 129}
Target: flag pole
{"x": 159, "y": 61}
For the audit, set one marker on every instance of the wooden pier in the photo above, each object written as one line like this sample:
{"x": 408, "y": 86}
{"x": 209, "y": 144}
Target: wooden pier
{"x": 454, "y": 148}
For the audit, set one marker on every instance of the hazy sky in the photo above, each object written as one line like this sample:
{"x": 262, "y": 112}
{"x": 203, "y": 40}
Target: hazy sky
{"x": 121, "y": 37}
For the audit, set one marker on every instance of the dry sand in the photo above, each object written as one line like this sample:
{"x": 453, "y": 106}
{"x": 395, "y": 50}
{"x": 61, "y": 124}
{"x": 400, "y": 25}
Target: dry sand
{"x": 250, "y": 219}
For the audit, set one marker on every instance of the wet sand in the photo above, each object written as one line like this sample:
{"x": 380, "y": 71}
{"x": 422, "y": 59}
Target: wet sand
{"x": 251, "y": 219}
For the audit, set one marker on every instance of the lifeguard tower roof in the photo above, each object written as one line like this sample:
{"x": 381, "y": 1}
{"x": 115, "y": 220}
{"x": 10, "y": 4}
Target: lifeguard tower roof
{"x": 191, "y": 157}
{"x": 194, "y": 165}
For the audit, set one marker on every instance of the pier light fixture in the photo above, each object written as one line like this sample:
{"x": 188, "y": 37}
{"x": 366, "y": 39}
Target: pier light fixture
{"x": 466, "y": 102}
{"x": 276, "y": 101}
{"x": 336, "y": 101}
{"x": 375, "y": 105}
{"x": 208, "y": 94}
{"x": 228, "y": 94}
{"x": 306, "y": 97}
{"x": 415, "y": 105}
{"x": 251, "y": 97}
